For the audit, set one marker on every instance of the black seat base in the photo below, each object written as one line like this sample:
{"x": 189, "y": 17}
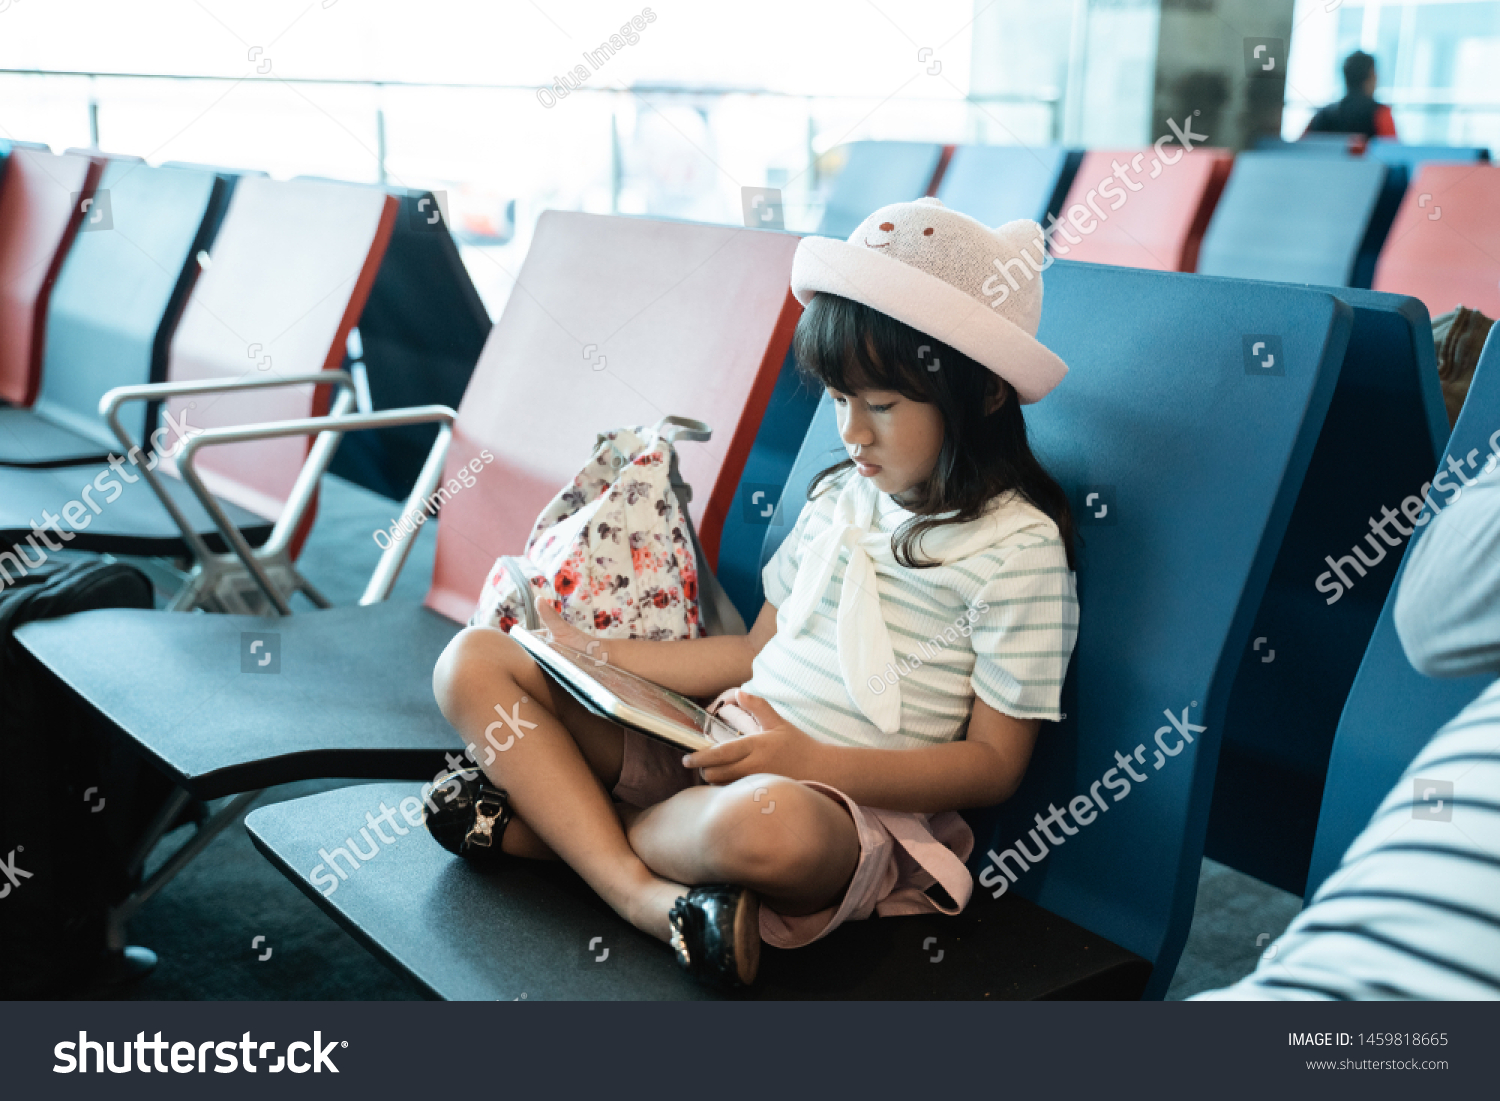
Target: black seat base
{"x": 536, "y": 930}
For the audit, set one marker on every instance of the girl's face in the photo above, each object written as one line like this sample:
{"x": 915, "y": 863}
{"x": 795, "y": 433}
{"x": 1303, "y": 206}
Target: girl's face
{"x": 893, "y": 440}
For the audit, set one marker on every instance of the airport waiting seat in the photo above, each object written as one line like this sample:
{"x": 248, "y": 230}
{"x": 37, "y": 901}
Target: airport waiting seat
{"x": 289, "y": 272}
{"x": 876, "y": 174}
{"x": 1314, "y": 145}
{"x": 1413, "y": 156}
{"x": 1000, "y": 183}
{"x": 1179, "y": 534}
{"x": 1444, "y": 241}
{"x": 113, "y": 310}
{"x": 1384, "y": 429}
{"x": 686, "y": 319}
{"x": 420, "y": 335}
{"x": 1160, "y": 226}
{"x": 1392, "y": 711}
{"x": 42, "y": 200}
{"x": 1258, "y": 231}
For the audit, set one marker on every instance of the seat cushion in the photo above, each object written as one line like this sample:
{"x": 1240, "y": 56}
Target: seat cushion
{"x": 348, "y": 691}
{"x": 536, "y": 930}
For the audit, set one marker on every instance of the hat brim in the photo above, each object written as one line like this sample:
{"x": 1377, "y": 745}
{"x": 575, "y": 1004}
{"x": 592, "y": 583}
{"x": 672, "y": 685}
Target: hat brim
{"x": 930, "y": 305}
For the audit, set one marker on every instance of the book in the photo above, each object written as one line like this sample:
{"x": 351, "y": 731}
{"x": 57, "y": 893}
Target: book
{"x": 612, "y": 693}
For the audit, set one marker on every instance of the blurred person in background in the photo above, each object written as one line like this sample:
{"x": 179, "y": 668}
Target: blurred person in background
{"x": 1357, "y": 112}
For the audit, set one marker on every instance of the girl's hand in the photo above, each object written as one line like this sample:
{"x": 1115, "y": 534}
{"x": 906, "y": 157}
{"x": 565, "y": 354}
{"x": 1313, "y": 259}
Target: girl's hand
{"x": 563, "y": 632}
{"x": 779, "y": 748}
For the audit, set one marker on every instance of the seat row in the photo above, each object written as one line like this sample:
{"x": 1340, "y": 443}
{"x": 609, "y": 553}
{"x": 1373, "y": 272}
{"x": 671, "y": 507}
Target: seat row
{"x": 117, "y": 273}
{"x": 1416, "y": 220}
{"x": 1242, "y": 434}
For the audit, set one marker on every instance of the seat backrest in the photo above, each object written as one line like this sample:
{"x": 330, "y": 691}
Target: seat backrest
{"x": 1159, "y": 222}
{"x": 290, "y": 270}
{"x": 121, "y": 291}
{"x": 1182, "y": 469}
{"x": 999, "y": 183}
{"x": 613, "y": 321}
{"x": 41, "y": 199}
{"x": 1392, "y": 710}
{"x": 1443, "y": 243}
{"x": 1395, "y": 152}
{"x": 1292, "y": 219}
{"x": 420, "y": 335}
{"x": 1311, "y": 630}
{"x": 876, "y": 174}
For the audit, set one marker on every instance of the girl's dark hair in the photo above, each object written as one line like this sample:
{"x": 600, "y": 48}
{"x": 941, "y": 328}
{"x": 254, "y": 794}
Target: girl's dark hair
{"x": 850, "y": 347}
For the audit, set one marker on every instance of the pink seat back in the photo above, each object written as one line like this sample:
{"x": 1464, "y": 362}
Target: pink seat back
{"x": 1158, "y": 227}
{"x": 1444, "y": 246}
{"x": 290, "y": 271}
{"x": 38, "y": 218}
{"x": 613, "y": 321}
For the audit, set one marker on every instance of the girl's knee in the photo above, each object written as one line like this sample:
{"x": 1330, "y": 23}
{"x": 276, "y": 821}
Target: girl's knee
{"x": 766, "y": 827}
{"x": 473, "y": 659}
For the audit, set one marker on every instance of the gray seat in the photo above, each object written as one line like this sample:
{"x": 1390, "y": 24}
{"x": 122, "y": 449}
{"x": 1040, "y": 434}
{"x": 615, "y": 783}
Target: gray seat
{"x": 538, "y": 931}
{"x": 330, "y": 708}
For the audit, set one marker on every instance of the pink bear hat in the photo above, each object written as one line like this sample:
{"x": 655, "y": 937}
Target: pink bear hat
{"x": 974, "y": 288}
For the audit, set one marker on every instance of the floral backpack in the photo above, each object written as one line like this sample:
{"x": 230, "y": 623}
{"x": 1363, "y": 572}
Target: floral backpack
{"x": 615, "y": 552}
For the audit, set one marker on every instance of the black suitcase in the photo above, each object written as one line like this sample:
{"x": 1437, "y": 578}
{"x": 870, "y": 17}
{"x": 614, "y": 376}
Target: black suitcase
{"x": 75, "y": 798}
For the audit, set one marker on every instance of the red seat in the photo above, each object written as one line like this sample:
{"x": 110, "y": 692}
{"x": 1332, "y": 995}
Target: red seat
{"x": 613, "y": 321}
{"x": 1159, "y": 227}
{"x": 291, "y": 268}
{"x": 1445, "y": 241}
{"x": 38, "y": 218}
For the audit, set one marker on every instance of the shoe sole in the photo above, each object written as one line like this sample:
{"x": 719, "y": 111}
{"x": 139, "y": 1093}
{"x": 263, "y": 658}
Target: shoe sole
{"x": 747, "y": 937}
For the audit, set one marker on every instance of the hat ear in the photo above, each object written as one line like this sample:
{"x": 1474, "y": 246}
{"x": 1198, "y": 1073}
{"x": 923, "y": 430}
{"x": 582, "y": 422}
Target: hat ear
{"x": 1022, "y": 231}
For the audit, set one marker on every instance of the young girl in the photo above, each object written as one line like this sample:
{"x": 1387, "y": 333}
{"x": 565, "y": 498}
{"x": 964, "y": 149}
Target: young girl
{"x": 917, "y": 627}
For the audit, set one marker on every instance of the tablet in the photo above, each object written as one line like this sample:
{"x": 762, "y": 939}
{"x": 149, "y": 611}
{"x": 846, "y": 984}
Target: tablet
{"x": 614, "y": 694}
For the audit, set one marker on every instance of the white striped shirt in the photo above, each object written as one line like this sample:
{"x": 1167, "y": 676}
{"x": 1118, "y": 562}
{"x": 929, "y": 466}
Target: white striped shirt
{"x": 999, "y": 624}
{"x": 1414, "y": 909}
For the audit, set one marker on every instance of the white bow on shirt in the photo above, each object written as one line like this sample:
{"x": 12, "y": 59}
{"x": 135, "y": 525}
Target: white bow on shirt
{"x": 864, "y": 642}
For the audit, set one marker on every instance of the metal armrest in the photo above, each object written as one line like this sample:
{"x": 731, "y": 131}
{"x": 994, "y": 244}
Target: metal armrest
{"x": 109, "y": 409}
{"x": 329, "y": 428}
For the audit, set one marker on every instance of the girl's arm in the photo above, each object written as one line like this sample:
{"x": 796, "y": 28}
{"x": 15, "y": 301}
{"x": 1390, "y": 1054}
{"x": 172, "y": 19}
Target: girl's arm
{"x": 983, "y": 769}
{"x": 693, "y": 667}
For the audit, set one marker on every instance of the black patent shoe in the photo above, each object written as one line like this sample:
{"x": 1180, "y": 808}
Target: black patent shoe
{"x": 470, "y": 817}
{"x": 716, "y": 933}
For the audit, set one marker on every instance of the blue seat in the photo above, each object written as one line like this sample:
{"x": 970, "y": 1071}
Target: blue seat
{"x": 1294, "y": 219}
{"x": 1392, "y": 710}
{"x": 999, "y": 183}
{"x": 876, "y": 174}
{"x": 1197, "y": 466}
{"x": 113, "y": 310}
{"x": 1304, "y": 651}
{"x": 1395, "y": 152}
{"x": 420, "y": 335}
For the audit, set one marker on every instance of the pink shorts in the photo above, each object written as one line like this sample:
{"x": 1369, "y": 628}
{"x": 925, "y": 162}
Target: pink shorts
{"x": 901, "y": 854}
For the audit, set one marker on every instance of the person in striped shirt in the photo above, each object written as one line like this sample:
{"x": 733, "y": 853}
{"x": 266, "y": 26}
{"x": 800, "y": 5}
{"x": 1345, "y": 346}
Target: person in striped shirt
{"x": 917, "y": 629}
{"x": 1413, "y": 910}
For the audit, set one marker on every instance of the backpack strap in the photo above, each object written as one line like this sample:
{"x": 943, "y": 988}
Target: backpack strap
{"x": 516, "y": 571}
{"x": 720, "y": 616}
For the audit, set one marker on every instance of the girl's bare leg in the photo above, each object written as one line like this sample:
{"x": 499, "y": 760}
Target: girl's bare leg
{"x": 484, "y": 682}
{"x": 794, "y": 846}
